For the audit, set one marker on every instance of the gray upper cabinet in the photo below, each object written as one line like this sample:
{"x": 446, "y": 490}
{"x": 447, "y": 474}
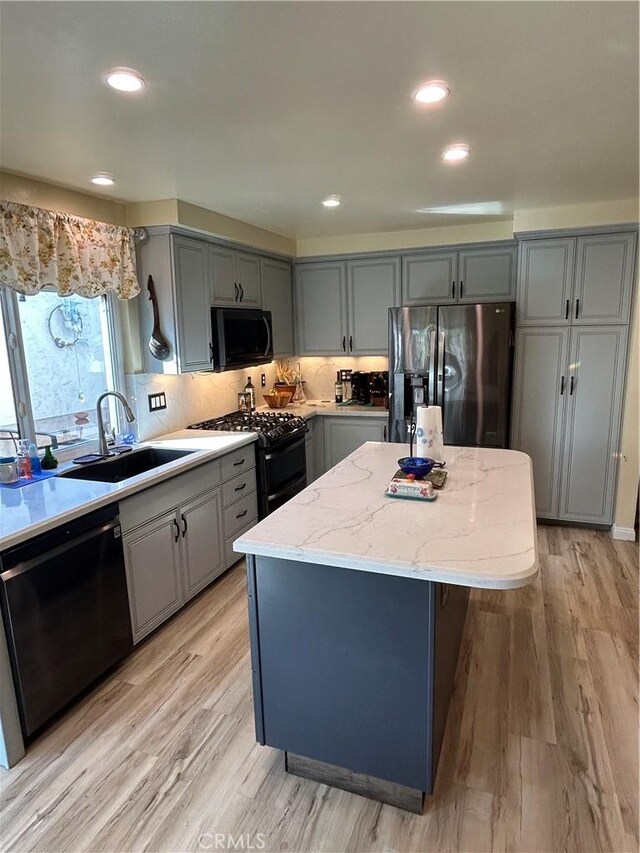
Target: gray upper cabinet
{"x": 224, "y": 290}
{"x": 431, "y": 278}
{"x": 248, "y": 280}
{"x": 487, "y": 275}
{"x": 193, "y": 302}
{"x": 321, "y": 308}
{"x": 342, "y": 307}
{"x": 603, "y": 280}
{"x": 373, "y": 288}
{"x": 541, "y": 383}
{"x": 277, "y": 297}
{"x": 545, "y": 282}
{"x": 576, "y": 280}
{"x": 235, "y": 278}
{"x": 588, "y": 479}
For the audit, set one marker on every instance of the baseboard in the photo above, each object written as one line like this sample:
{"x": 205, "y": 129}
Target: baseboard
{"x": 628, "y": 534}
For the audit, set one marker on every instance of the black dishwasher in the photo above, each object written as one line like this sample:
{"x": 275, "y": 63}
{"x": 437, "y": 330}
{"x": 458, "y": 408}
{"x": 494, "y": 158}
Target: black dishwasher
{"x": 66, "y": 612}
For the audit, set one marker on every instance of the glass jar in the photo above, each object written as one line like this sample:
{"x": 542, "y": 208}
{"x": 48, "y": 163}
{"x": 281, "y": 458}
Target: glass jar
{"x": 8, "y": 469}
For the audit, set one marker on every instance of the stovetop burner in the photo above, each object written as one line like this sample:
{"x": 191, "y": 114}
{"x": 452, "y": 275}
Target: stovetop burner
{"x": 271, "y": 426}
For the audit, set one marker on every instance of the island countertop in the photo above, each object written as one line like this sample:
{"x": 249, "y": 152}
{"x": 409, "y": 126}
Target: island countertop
{"x": 480, "y": 532}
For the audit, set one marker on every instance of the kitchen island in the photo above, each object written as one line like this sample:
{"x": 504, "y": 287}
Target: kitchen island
{"x": 357, "y": 603}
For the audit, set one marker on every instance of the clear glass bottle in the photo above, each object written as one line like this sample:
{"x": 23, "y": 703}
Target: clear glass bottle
{"x": 34, "y": 458}
{"x": 23, "y": 460}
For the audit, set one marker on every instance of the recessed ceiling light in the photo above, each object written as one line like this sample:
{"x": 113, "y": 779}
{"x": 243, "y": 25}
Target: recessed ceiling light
{"x": 103, "y": 179}
{"x": 332, "y": 201}
{"x": 455, "y": 153}
{"x": 125, "y": 80}
{"x": 431, "y": 93}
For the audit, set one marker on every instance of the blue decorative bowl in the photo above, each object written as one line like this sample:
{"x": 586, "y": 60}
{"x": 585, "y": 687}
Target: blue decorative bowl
{"x": 417, "y": 466}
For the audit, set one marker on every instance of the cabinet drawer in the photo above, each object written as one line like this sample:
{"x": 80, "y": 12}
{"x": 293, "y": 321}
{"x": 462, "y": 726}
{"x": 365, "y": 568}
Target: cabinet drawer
{"x": 230, "y": 556}
{"x": 240, "y": 486}
{"x": 167, "y": 495}
{"x": 238, "y": 462}
{"x": 237, "y": 516}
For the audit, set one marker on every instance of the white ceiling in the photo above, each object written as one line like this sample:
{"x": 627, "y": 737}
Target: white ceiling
{"x": 260, "y": 110}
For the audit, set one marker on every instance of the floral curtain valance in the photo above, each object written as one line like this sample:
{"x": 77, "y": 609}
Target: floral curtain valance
{"x": 39, "y": 248}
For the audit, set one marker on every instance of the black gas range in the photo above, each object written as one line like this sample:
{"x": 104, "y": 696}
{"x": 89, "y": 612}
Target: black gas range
{"x": 280, "y": 452}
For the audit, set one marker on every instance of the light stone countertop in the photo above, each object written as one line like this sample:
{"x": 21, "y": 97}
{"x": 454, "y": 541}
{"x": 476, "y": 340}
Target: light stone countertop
{"x": 480, "y": 532}
{"x": 319, "y": 407}
{"x": 45, "y": 504}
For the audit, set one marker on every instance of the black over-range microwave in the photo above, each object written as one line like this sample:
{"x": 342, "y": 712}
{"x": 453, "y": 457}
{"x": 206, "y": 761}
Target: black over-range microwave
{"x": 242, "y": 337}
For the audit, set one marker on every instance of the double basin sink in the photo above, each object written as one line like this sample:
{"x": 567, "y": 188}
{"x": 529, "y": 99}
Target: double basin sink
{"x": 119, "y": 468}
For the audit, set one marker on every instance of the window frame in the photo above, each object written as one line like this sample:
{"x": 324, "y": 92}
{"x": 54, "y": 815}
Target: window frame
{"x": 20, "y": 377}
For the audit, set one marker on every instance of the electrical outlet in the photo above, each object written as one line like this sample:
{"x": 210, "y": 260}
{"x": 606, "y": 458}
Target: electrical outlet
{"x": 157, "y": 401}
{"x": 263, "y": 380}
{"x": 345, "y": 376}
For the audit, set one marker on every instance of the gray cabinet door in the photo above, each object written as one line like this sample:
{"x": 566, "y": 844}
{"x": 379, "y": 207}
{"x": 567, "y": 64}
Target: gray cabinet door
{"x": 314, "y": 449}
{"x": 541, "y": 387}
{"x": 597, "y": 357}
{"x": 487, "y": 275}
{"x": 201, "y": 536}
{"x": 193, "y": 304}
{"x": 321, "y": 309}
{"x": 431, "y": 278}
{"x": 345, "y": 433}
{"x": 224, "y": 289}
{"x": 545, "y": 282}
{"x": 248, "y": 279}
{"x": 152, "y": 561}
{"x": 277, "y": 297}
{"x": 603, "y": 281}
{"x": 373, "y": 288}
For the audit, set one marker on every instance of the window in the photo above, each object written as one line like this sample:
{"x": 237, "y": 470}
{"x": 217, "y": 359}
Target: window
{"x": 61, "y": 356}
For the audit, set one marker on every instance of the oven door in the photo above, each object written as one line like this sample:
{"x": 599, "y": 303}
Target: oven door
{"x": 283, "y": 473}
{"x": 241, "y": 338}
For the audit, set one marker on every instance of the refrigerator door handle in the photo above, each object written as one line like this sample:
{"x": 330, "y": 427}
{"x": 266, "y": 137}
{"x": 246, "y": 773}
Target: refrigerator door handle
{"x": 441, "y": 342}
{"x": 432, "y": 367}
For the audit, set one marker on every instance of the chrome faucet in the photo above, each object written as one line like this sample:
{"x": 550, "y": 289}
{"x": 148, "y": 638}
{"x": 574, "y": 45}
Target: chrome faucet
{"x": 102, "y": 439}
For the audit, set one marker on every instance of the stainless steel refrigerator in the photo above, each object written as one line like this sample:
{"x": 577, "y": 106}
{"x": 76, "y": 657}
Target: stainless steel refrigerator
{"x": 458, "y": 357}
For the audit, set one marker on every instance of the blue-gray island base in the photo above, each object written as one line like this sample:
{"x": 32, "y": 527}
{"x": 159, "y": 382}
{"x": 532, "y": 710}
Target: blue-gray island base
{"x": 353, "y": 672}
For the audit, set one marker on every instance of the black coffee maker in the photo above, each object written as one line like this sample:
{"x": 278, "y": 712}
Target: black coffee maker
{"x": 360, "y": 388}
{"x": 379, "y": 388}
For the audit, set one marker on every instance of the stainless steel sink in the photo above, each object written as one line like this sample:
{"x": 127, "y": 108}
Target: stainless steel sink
{"x": 127, "y": 465}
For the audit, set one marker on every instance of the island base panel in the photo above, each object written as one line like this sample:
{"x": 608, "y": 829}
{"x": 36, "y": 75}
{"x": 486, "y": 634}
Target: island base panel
{"x": 346, "y": 665}
{"x": 390, "y": 793}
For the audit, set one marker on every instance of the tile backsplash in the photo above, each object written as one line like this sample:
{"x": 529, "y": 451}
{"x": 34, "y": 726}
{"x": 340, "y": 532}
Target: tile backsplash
{"x": 193, "y": 397}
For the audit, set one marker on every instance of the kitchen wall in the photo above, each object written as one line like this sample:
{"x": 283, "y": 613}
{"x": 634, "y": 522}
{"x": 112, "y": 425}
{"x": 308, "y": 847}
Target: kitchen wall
{"x": 23, "y": 190}
{"x": 319, "y": 373}
{"x": 190, "y": 397}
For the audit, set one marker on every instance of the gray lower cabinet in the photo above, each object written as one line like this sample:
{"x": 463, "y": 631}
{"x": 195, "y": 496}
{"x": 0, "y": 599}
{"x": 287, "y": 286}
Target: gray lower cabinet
{"x": 201, "y": 538}
{"x": 343, "y": 434}
{"x": 314, "y": 449}
{"x": 587, "y": 483}
{"x": 153, "y": 564}
{"x": 576, "y": 281}
{"x": 277, "y": 297}
{"x": 567, "y": 411}
{"x": 540, "y": 383}
{"x": 178, "y": 535}
{"x": 430, "y": 278}
{"x": 321, "y": 309}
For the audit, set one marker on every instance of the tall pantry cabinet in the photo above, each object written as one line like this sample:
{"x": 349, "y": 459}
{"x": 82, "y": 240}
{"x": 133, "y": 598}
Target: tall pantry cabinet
{"x": 574, "y": 306}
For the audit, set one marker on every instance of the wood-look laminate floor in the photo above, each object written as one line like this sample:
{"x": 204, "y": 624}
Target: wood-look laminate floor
{"x": 540, "y": 753}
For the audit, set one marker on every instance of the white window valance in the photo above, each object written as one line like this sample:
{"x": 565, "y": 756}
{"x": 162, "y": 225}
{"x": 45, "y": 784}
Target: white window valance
{"x": 40, "y": 248}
